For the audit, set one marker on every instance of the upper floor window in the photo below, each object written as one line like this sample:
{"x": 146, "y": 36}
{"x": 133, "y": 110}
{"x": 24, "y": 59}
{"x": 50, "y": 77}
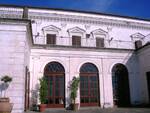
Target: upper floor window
{"x": 99, "y": 42}
{"x": 50, "y": 33}
{"x": 51, "y": 39}
{"x": 100, "y": 36}
{"x": 138, "y": 44}
{"x": 137, "y": 38}
{"x": 76, "y": 35}
{"x": 76, "y": 41}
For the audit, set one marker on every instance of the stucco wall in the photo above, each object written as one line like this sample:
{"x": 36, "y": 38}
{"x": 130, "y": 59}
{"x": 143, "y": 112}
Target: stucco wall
{"x": 118, "y": 30}
{"x": 72, "y": 60}
{"x": 144, "y": 66}
{"x": 14, "y": 57}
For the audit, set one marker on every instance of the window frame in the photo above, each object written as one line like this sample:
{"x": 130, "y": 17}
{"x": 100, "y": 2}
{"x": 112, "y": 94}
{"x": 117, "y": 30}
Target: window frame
{"x": 100, "y": 42}
{"x": 53, "y": 39}
{"x": 75, "y": 41}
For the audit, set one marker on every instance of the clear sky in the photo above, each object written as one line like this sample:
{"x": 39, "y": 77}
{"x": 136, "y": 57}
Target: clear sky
{"x": 133, "y": 8}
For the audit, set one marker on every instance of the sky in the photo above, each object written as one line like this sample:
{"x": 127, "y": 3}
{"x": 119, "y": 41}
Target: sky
{"x": 132, "y": 8}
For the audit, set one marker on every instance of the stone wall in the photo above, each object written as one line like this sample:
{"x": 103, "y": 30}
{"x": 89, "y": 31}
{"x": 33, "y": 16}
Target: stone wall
{"x": 143, "y": 56}
{"x": 13, "y": 57}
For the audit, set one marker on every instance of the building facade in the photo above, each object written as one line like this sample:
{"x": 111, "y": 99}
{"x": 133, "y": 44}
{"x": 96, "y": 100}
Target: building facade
{"x": 107, "y": 52}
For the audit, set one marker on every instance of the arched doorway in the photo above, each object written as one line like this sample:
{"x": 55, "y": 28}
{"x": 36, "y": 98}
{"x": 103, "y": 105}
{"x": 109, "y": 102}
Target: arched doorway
{"x": 89, "y": 85}
{"x": 120, "y": 83}
{"x": 55, "y": 75}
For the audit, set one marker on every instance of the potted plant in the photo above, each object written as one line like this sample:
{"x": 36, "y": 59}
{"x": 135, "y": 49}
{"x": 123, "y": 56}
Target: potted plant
{"x": 74, "y": 88}
{"x": 5, "y": 105}
{"x": 43, "y": 93}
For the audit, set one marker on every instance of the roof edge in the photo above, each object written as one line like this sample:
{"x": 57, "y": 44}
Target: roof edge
{"x": 73, "y": 10}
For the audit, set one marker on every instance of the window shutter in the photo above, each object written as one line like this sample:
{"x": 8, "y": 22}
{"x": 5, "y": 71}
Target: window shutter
{"x": 76, "y": 41}
{"x": 51, "y": 39}
{"x": 99, "y": 42}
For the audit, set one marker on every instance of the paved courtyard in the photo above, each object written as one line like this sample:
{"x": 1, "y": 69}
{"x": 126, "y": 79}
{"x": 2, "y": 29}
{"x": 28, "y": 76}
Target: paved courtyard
{"x": 98, "y": 110}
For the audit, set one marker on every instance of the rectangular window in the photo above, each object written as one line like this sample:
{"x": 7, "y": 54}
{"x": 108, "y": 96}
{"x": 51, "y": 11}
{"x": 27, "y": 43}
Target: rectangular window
{"x": 138, "y": 44}
{"x": 99, "y": 42}
{"x": 76, "y": 41}
{"x": 51, "y": 39}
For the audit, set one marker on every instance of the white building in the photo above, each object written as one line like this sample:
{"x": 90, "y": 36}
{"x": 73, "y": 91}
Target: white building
{"x": 109, "y": 53}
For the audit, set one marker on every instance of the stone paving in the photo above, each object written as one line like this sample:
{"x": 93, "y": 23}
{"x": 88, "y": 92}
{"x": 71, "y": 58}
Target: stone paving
{"x": 98, "y": 110}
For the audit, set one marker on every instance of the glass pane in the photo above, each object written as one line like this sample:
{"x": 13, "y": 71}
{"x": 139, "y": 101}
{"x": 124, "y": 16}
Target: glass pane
{"x": 56, "y": 92}
{"x": 88, "y": 67}
{"x": 115, "y": 86}
{"x": 50, "y": 85}
{"x": 61, "y": 93}
{"x": 86, "y": 100}
{"x": 54, "y": 67}
{"x": 51, "y": 88}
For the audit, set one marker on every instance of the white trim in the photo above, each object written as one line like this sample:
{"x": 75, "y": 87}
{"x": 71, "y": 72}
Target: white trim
{"x": 52, "y": 60}
{"x": 89, "y": 61}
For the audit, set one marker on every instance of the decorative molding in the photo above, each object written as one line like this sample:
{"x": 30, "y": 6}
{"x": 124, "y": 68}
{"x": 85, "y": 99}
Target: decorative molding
{"x": 76, "y": 30}
{"x": 51, "y": 28}
{"x": 87, "y": 27}
{"x": 11, "y": 14}
{"x": 63, "y": 25}
{"x": 87, "y": 20}
{"x": 99, "y": 32}
{"x": 75, "y": 19}
{"x": 137, "y": 36}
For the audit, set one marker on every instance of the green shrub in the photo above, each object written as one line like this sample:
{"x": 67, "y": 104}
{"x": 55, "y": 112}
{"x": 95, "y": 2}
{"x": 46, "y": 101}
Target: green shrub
{"x": 74, "y": 88}
{"x": 6, "y": 79}
{"x": 43, "y": 90}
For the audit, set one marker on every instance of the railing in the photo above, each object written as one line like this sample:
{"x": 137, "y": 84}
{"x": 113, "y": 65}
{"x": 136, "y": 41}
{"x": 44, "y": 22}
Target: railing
{"x": 87, "y": 42}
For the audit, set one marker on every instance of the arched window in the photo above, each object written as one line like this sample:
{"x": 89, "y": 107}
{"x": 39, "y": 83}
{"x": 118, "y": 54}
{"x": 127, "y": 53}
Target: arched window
{"x": 55, "y": 75}
{"x": 89, "y": 85}
{"x": 54, "y": 67}
{"x": 120, "y": 83}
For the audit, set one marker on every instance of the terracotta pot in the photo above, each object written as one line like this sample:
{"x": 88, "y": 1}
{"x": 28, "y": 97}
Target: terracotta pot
{"x": 4, "y": 99}
{"x": 42, "y": 107}
{"x": 75, "y": 106}
{"x": 6, "y": 107}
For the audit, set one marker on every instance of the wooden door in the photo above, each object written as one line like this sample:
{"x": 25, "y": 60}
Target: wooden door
{"x": 89, "y": 95}
{"x": 89, "y": 85}
{"x": 55, "y": 75}
{"x": 56, "y": 90}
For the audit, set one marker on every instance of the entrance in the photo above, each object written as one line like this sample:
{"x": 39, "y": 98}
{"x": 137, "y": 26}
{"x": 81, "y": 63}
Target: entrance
{"x": 55, "y": 75}
{"x": 89, "y": 85}
{"x": 120, "y": 83}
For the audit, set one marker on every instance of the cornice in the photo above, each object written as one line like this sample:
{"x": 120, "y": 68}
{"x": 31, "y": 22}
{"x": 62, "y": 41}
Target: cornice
{"x": 87, "y": 20}
{"x": 11, "y": 14}
{"x": 10, "y": 21}
{"x": 75, "y": 19}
